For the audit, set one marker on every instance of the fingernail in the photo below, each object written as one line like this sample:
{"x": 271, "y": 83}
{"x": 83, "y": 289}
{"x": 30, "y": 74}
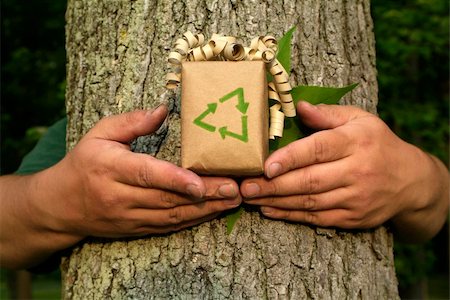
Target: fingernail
{"x": 194, "y": 191}
{"x": 156, "y": 109}
{"x": 309, "y": 105}
{"x": 266, "y": 211}
{"x": 252, "y": 189}
{"x": 233, "y": 203}
{"x": 274, "y": 170}
{"x": 227, "y": 190}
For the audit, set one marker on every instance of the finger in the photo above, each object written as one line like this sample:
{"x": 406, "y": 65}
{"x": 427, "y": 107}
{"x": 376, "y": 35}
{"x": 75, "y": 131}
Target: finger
{"x": 220, "y": 188}
{"x": 327, "y": 116}
{"x": 325, "y": 218}
{"x": 126, "y": 127}
{"x": 335, "y": 199}
{"x": 143, "y": 170}
{"x": 308, "y": 180}
{"x": 181, "y": 214}
{"x": 131, "y": 228}
{"x": 145, "y": 230}
{"x": 320, "y": 147}
{"x": 137, "y": 197}
{"x": 146, "y": 171}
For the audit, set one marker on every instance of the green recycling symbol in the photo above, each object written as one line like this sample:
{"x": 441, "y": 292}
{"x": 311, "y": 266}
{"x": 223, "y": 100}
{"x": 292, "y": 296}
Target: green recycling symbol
{"x": 241, "y": 106}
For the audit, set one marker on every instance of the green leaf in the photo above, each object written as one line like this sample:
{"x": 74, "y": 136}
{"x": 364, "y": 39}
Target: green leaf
{"x": 320, "y": 94}
{"x": 232, "y": 218}
{"x": 284, "y": 50}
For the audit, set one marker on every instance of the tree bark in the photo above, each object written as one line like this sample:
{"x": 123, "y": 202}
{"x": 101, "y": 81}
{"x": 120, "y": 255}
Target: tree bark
{"x": 117, "y": 54}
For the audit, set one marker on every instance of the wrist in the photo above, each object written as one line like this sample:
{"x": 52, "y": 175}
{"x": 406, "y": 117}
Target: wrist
{"x": 27, "y": 236}
{"x": 426, "y": 198}
{"x": 47, "y": 211}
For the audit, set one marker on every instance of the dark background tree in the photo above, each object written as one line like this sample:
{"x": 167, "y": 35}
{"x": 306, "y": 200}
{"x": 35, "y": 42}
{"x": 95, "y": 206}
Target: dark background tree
{"x": 413, "y": 67}
{"x": 413, "y": 74}
{"x": 32, "y": 74}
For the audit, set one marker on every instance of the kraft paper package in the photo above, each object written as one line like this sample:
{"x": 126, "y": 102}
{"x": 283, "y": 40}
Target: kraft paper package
{"x": 224, "y": 95}
{"x": 224, "y": 117}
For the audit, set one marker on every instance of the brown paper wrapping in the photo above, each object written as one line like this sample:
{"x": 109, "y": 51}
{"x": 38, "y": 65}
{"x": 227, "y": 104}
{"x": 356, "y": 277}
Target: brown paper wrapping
{"x": 220, "y": 134}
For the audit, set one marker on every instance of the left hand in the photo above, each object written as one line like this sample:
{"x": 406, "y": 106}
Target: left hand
{"x": 355, "y": 173}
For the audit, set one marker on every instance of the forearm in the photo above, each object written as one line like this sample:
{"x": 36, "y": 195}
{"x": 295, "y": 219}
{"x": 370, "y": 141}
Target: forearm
{"x": 429, "y": 211}
{"x": 27, "y": 236}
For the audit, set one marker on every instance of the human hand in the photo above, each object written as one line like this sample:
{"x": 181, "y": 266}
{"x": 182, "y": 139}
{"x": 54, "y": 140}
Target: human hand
{"x": 106, "y": 190}
{"x": 355, "y": 173}
{"x": 103, "y": 189}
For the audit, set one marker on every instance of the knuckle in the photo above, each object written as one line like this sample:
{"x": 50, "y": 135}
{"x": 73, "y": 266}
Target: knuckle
{"x": 309, "y": 202}
{"x": 320, "y": 149}
{"x": 273, "y": 187}
{"x": 145, "y": 176}
{"x": 311, "y": 218}
{"x": 293, "y": 159}
{"x": 167, "y": 200}
{"x": 311, "y": 182}
{"x": 175, "y": 216}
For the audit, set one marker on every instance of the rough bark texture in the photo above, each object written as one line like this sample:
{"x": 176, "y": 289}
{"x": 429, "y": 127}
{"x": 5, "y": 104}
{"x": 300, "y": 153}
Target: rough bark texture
{"x": 116, "y": 63}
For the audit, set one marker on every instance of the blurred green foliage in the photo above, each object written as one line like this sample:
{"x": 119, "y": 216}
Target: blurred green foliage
{"x": 413, "y": 67}
{"x": 32, "y": 73}
{"x": 413, "y": 74}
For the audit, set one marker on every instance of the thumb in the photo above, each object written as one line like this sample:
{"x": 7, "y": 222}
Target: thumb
{"x": 324, "y": 116}
{"x": 126, "y": 127}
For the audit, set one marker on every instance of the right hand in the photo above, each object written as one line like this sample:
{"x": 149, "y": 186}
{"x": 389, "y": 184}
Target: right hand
{"x": 103, "y": 189}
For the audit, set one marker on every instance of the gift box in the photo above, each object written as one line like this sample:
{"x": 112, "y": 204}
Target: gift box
{"x": 224, "y": 117}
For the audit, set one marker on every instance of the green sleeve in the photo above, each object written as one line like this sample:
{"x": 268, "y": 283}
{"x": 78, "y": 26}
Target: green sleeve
{"x": 49, "y": 150}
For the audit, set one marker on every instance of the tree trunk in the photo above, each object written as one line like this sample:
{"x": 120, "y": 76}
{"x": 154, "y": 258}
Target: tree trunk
{"x": 117, "y": 54}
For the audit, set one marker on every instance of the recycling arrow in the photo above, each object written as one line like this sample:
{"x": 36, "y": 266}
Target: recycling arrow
{"x": 210, "y": 110}
{"x": 241, "y": 106}
{"x": 243, "y": 136}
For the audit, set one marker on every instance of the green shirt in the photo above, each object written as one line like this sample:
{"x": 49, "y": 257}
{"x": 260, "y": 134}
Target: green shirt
{"x": 49, "y": 150}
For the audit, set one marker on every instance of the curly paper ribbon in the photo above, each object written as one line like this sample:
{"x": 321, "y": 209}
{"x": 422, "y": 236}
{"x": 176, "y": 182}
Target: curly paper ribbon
{"x": 192, "y": 47}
